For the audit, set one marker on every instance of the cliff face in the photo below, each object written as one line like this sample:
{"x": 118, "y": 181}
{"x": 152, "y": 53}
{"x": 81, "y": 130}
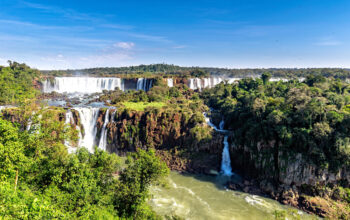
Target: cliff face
{"x": 268, "y": 161}
{"x": 183, "y": 144}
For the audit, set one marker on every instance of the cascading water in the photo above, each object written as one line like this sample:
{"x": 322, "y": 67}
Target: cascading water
{"x": 170, "y": 82}
{"x": 144, "y": 84}
{"x": 103, "y": 138}
{"x": 85, "y": 85}
{"x": 88, "y": 118}
{"x": 201, "y": 83}
{"x": 69, "y": 120}
{"x": 226, "y": 168}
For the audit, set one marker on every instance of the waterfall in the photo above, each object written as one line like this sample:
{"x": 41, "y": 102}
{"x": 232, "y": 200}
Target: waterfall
{"x": 170, "y": 82}
{"x": 82, "y": 84}
{"x": 144, "y": 84}
{"x": 103, "y": 138}
{"x": 226, "y": 169}
{"x": 226, "y": 161}
{"x": 69, "y": 120}
{"x": 88, "y": 118}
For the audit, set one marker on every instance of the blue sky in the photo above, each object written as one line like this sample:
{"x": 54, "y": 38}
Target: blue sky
{"x": 59, "y": 34}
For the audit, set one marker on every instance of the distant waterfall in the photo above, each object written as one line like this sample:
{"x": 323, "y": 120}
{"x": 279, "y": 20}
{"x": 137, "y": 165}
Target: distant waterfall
{"x": 81, "y": 84}
{"x": 103, "y": 138}
{"x": 88, "y": 118}
{"x": 144, "y": 84}
{"x": 170, "y": 82}
{"x": 201, "y": 83}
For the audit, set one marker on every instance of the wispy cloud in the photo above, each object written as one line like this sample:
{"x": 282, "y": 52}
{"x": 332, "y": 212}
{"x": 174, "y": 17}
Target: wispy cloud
{"x": 150, "y": 37}
{"x": 68, "y": 13}
{"x": 124, "y": 45}
{"x": 118, "y": 26}
{"x": 328, "y": 42}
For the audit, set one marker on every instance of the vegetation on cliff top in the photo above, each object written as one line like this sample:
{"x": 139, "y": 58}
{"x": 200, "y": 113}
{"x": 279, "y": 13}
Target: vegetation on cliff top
{"x": 17, "y": 83}
{"x": 311, "y": 118}
{"x": 178, "y": 71}
{"x": 40, "y": 180}
{"x": 283, "y": 119}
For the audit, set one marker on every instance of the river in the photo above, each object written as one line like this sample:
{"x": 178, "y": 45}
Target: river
{"x": 204, "y": 197}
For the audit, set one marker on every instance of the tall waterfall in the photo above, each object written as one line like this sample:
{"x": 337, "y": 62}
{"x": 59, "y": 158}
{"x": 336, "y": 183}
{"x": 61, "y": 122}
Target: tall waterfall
{"x": 226, "y": 168}
{"x": 226, "y": 160}
{"x": 88, "y": 118}
{"x": 144, "y": 84}
{"x": 81, "y": 84}
{"x": 103, "y": 138}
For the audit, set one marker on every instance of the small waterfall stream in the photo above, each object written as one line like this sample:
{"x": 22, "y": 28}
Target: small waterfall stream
{"x": 103, "y": 138}
{"x": 226, "y": 168}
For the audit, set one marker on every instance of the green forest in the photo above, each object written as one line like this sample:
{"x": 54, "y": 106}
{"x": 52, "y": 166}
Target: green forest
{"x": 173, "y": 70}
{"x": 270, "y": 124}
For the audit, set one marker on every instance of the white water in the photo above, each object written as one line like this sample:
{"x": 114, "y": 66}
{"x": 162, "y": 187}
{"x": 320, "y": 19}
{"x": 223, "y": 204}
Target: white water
{"x": 88, "y": 118}
{"x": 201, "y": 83}
{"x": 103, "y": 138}
{"x": 170, "y": 82}
{"x": 69, "y": 120}
{"x": 144, "y": 84}
{"x": 85, "y": 85}
{"x": 226, "y": 168}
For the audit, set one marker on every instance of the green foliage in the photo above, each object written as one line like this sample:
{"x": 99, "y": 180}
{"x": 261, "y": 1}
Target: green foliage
{"x": 54, "y": 184}
{"x": 310, "y": 118}
{"x": 140, "y": 106}
{"x": 16, "y": 83}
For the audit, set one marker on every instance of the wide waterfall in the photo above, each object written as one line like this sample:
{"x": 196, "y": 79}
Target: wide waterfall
{"x": 81, "y": 84}
{"x": 201, "y": 83}
{"x": 103, "y": 139}
{"x": 88, "y": 85}
{"x": 88, "y": 118}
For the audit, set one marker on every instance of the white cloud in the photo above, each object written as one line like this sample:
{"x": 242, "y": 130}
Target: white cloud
{"x": 328, "y": 43}
{"x": 124, "y": 45}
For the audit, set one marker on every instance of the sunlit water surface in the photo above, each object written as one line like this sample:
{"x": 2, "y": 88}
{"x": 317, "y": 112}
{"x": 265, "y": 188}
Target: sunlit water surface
{"x": 204, "y": 197}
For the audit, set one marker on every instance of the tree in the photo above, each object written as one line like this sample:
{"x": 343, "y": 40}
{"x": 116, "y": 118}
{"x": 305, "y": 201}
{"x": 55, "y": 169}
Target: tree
{"x": 266, "y": 76}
